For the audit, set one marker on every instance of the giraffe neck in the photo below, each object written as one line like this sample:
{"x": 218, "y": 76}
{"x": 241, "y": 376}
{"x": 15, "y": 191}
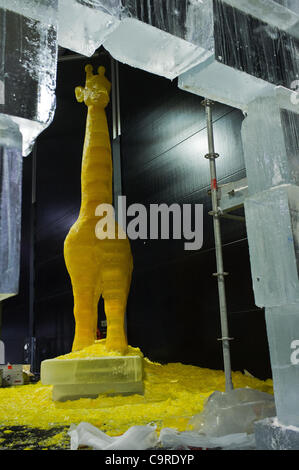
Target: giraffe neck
{"x": 96, "y": 172}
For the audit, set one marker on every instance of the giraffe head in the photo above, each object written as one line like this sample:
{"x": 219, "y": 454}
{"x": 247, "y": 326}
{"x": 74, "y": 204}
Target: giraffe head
{"x": 96, "y": 90}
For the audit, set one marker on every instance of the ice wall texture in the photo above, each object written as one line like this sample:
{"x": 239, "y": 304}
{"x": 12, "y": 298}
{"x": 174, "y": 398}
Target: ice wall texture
{"x": 282, "y": 14}
{"x": 85, "y": 24}
{"x": 150, "y": 35}
{"x": 28, "y": 51}
{"x": 247, "y": 57}
{"x": 28, "y": 48}
{"x": 10, "y": 207}
{"x": 270, "y": 136}
{"x": 233, "y": 43}
{"x": 282, "y": 330}
{"x": 272, "y": 220}
{"x": 270, "y": 133}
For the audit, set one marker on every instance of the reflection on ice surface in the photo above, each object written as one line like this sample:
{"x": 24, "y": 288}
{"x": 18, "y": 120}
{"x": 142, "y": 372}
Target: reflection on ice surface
{"x": 141, "y": 34}
{"x": 28, "y": 46}
{"x": 283, "y": 14}
{"x": 10, "y": 206}
{"x": 142, "y": 46}
{"x": 84, "y": 25}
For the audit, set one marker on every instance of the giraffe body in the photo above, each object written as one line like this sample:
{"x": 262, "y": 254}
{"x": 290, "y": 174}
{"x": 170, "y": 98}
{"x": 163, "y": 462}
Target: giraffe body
{"x": 97, "y": 267}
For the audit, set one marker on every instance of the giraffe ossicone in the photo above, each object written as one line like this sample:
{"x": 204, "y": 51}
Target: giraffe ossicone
{"x": 97, "y": 267}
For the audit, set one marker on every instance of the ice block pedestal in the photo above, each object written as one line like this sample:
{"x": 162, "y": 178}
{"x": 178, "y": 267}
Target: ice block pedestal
{"x": 88, "y": 377}
{"x": 270, "y": 140}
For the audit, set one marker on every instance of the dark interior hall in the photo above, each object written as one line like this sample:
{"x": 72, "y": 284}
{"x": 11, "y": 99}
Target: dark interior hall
{"x": 173, "y": 310}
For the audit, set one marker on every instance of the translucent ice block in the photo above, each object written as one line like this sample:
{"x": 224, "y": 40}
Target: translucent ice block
{"x": 84, "y": 25}
{"x": 233, "y": 412}
{"x": 149, "y": 35}
{"x": 282, "y": 14}
{"x": 151, "y": 49}
{"x": 247, "y": 56}
{"x": 272, "y": 221}
{"x": 224, "y": 84}
{"x": 270, "y": 136}
{"x": 184, "y": 19}
{"x": 83, "y": 377}
{"x": 283, "y": 324}
{"x": 28, "y": 48}
{"x": 10, "y": 207}
{"x": 41, "y": 10}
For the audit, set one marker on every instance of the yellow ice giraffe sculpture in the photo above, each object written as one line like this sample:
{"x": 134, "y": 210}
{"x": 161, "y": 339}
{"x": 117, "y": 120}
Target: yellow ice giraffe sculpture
{"x": 97, "y": 267}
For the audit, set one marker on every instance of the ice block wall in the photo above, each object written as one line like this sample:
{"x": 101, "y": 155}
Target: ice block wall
{"x": 85, "y": 24}
{"x": 170, "y": 37}
{"x": 247, "y": 56}
{"x": 282, "y": 14}
{"x": 253, "y": 64}
{"x": 270, "y": 135}
{"x": 28, "y": 50}
{"x": 151, "y": 35}
{"x": 223, "y": 43}
{"x": 10, "y": 206}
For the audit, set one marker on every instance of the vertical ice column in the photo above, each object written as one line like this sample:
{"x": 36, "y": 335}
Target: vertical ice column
{"x": 28, "y": 52}
{"x": 283, "y": 336}
{"x": 10, "y": 206}
{"x": 270, "y": 135}
{"x": 28, "y": 57}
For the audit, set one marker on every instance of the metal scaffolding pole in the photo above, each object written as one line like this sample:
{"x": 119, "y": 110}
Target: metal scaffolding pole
{"x": 220, "y": 274}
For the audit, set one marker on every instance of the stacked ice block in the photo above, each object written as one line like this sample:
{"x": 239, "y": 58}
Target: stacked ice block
{"x": 10, "y": 206}
{"x": 159, "y": 37}
{"x": 270, "y": 135}
{"x": 247, "y": 56}
{"x": 282, "y": 14}
{"x": 84, "y": 25}
{"x": 89, "y": 377}
{"x": 28, "y": 50}
{"x": 272, "y": 219}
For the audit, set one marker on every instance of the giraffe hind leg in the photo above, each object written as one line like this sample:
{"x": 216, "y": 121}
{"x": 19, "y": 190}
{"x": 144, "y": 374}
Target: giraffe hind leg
{"x": 115, "y": 294}
{"x": 115, "y": 314}
{"x": 86, "y": 301}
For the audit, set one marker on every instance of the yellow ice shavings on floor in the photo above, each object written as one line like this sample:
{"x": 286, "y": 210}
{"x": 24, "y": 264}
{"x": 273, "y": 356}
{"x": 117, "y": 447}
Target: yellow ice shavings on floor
{"x": 98, "y": 349}
{"x": 173, "y": 394}
{"x": 54, "y": 440}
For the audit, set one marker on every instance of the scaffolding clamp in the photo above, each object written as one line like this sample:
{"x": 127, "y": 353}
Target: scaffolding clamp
{"x": 207, "y": 102}
{"x": 216, "y": 213}
{"x": 212, "y": 155}
{"x": 220, "y": 274}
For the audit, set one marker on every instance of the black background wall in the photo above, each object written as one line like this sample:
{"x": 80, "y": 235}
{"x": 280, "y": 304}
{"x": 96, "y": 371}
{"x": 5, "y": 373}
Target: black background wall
{"x": 172, "y": 312}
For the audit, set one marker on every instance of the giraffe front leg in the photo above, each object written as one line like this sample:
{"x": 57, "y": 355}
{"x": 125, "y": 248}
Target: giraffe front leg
{"x": 115, "y": 314}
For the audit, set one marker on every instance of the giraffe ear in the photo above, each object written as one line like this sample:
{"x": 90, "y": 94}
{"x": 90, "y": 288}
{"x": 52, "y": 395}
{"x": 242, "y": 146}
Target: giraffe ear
{"x": 79, "y": 92}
